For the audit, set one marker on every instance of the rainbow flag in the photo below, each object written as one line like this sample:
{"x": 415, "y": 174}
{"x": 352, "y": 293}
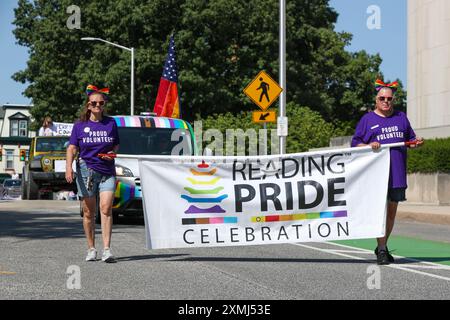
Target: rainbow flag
{"x": 167, "y": 102}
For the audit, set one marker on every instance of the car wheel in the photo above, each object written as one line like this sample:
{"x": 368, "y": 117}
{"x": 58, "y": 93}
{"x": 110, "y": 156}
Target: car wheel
{"x": 32, "y": 188}
{"x": 24, "y": 187}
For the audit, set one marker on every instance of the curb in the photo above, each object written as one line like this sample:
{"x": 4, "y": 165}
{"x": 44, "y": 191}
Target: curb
{"x": 433, "y": 218}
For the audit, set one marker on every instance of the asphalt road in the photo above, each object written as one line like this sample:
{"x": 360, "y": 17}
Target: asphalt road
{"x": 42, "y": 251}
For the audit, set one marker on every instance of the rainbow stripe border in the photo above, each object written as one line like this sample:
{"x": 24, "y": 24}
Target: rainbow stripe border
{"x": 300, "y": 216}
{"x": 150, "y": 122}
{"x": 213, "y": 220}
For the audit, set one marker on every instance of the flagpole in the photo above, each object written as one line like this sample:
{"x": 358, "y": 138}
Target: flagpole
{"x": 132, "y": 82}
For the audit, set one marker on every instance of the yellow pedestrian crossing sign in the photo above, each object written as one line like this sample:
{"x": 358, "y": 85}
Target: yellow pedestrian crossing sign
{"x": 263, "y": 90}
{"x": 264, "y": 116}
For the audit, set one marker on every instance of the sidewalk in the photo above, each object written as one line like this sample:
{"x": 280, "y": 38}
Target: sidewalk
{"x": 424, "y": 213}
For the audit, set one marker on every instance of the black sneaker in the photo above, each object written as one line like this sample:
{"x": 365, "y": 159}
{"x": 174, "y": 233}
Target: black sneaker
{"x": 382, "y": 257}
{"x": 390, "y": 257}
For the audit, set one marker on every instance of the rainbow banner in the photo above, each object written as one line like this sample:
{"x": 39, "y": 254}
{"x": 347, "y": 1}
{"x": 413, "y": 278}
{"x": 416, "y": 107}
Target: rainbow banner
{"x": 232, "y": 201}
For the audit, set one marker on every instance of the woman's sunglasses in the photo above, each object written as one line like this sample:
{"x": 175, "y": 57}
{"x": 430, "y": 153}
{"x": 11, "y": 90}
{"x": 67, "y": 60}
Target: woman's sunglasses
{"x": 94, "y": 103}
{"x": 385, "y": 99}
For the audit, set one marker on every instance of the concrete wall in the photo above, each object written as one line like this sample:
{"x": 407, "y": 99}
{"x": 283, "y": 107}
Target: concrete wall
{"x": 429, "y": 67}
{"x": 428, "y": 188}
{"x": 341, "y": 142}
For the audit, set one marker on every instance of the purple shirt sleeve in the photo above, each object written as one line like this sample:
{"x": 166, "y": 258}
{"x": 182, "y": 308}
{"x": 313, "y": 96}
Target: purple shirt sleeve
{"x": 74, "y": 136}
{"x": 410, "y": 134}
{"x": 360, "y": 132}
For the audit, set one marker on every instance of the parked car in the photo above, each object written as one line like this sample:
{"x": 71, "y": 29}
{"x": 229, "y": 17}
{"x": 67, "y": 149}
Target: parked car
{"x": 45, "y": 168}
{"x": 142, "y": 135}
{"x": 4, "y": 176}
{"x": 11, "y": 188}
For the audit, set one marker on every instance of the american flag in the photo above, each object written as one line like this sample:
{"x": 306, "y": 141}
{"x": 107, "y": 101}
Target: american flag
{"x": 170, "y": 67}
{"x": 167, "y": 103}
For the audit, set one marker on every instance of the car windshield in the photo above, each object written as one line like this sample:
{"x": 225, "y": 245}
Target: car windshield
{"x": 11, "y": 183}
{"x": 153, "y": 141}
{"x": 51, "y": 144}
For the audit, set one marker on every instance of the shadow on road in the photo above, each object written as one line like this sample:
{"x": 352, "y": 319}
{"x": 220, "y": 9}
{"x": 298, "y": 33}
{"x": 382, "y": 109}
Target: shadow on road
{"x": 148, "y": 257}
{"x": 402, "y": 261}
{"x": 43, "y": 225}
{"x": 275, "y": 260}
{"x": 40, "y": 225}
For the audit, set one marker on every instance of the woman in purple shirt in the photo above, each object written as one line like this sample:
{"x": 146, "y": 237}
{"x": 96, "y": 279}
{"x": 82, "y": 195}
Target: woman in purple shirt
{"x": 386, "y": 125}
{"x": 95, "y": 133}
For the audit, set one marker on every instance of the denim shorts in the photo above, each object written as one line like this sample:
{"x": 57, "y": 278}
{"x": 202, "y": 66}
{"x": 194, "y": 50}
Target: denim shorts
{"x": 89, "y": 181}
{"x": 397, "y": 194}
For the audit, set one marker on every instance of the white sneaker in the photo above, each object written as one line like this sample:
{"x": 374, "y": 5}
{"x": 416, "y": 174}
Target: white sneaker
{"x": 108, "y": 256}
{"x": 91, "y": 255}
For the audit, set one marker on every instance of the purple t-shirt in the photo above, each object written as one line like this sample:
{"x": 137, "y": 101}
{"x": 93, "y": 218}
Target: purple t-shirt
{"x": 93, "y": 138}
{"x": 396, "y": 128}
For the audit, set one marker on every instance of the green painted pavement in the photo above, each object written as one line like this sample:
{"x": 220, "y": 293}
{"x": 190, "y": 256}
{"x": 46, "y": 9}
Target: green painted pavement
{"x": 424, "y": 250}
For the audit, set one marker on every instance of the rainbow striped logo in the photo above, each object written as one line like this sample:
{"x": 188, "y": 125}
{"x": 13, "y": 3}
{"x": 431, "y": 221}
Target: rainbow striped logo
{"x": 300, "y": 216}
{"x": 204, "y": 196}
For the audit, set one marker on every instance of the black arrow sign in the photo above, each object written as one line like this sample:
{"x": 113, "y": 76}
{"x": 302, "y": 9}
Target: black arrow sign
{"x": 264, "y": 116}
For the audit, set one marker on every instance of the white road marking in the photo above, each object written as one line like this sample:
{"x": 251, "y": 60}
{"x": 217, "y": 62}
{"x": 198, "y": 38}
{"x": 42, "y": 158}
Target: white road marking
{"x": 419, "y": 272}
{"x": 350, "y": 251}
{"x": 393, "y": 266}
{"x": 328, "y": 251}
{"x": 398, "y": 257}
{"x": 417, "y": 266}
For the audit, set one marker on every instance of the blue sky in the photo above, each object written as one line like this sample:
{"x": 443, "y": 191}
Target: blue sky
{"x": 13, "y": 57}
{"x": 389, "y": 41}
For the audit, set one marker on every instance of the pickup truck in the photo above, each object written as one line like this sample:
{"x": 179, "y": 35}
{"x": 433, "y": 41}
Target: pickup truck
{"x": 45, "y": 168}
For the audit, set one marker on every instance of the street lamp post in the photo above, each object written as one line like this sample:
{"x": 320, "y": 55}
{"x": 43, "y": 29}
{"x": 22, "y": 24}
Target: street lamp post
{"x": 282, "y": 108}
{"x": 132, "y": 65}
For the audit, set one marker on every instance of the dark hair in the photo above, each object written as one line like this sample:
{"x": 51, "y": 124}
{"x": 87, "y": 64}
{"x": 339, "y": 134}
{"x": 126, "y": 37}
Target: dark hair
{"x": 85, "y": 112}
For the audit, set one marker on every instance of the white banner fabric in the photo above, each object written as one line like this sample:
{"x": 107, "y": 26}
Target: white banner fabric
{"x": 230, "y": 201}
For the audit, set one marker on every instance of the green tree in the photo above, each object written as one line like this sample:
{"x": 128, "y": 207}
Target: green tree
{"x": 307, "y": 128}
{"x": 221, "y": 45}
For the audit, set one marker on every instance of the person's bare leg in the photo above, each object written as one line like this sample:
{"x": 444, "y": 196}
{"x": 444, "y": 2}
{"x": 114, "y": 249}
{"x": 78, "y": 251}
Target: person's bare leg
{"x": 390, "y": 220}
{"x": 88, "y": 220}
{"x": 106, "y": 199}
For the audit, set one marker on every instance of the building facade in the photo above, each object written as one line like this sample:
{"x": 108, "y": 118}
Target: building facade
{"x": 429, "y": 67}
{"x": 15, "y": 137}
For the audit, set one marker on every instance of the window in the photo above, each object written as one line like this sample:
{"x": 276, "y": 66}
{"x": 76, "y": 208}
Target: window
{"x": 19, "y": 128}
{"x": 23, "y": 126}
{"x": 14, "y": 128}
{"x": 51, "y": 144}
{"x": 11, "y": 183}
{"x": 151, "y": 141}
{"x": 9, "y": 159}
